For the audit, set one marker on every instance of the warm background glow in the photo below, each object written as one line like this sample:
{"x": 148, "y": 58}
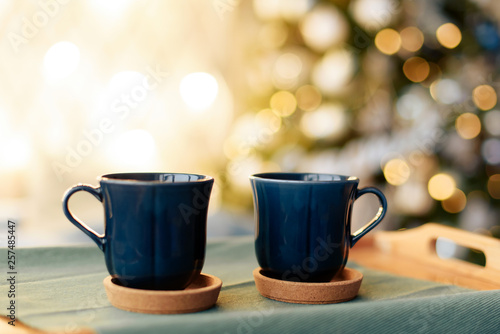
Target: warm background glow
{"x": 402, "y": 94}
{"x": 106, "y": 86}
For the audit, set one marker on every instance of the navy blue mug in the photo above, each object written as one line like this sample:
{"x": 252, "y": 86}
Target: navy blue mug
{"x": 155, "y": 227}
{"x": 303, "y": 223}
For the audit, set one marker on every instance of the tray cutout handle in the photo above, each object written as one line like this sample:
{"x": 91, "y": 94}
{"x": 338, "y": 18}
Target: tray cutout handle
{"x": 419, "y": 244}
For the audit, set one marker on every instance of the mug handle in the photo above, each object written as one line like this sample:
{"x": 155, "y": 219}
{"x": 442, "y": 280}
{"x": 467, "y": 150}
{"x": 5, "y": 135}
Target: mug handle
{"x": 99, "y": 239}
{"x": 375, "y": 220}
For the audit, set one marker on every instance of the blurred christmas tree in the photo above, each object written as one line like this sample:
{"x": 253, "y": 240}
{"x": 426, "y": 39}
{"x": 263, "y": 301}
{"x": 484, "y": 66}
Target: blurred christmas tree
{"x": 399, "y": 93}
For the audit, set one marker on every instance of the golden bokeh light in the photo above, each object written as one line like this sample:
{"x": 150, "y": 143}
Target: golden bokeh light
{"x": 484, "y": 97}
{"x": 329, "y": 121}
{"x": 494, "y": 186}
{"x": 308, "y": 97}
{"x": 388, "y": 41}
{"x": 268, "y": 120}
{"x": 396, "y": 172}
{"x": 416, "y": 69}
{"x": 448, "y": 35}
{"x": 288, "y": 66}
{"x": 273, "y": 34}
{"x": 334, "y": 71}
{"x": 323, "y": 27}
{"x": 283, "y": 103}
{"x": 441, "y": 186}
{"x": 199, "y": 90}
{"x": 468, "y": 125}
{"x": 412, "y": 39}
{"x": 455, "y": 203}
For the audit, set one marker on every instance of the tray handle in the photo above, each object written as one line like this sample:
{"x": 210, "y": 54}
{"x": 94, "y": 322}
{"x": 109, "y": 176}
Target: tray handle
{"x": 419, "y": 244}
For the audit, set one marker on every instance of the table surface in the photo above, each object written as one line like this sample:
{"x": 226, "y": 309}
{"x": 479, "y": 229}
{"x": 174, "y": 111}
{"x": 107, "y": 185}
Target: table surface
{"x": 61, "y": 288}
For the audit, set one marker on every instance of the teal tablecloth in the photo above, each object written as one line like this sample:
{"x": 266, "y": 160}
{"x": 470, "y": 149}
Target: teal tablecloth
{"x": 61, "y": 288}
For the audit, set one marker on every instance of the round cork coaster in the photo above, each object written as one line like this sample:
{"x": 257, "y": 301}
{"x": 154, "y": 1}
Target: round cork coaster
{"x": 198, "y": 296}
{"x": 342, "y": 288}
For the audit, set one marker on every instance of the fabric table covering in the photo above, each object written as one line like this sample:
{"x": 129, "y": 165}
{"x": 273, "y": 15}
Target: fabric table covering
{"x": 61, "y": 288}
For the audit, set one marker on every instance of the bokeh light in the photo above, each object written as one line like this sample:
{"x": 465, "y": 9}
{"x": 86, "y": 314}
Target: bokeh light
{"x": 334, "y": 71}
{"x": 273, "y": 34}
{"x": 199, "y": 90}
{"x": 372, "y": 15}
{"x": 455, "y": 203}
{"x": 412, "y": 39}
{"x": 250, "y": 131}
{"x": 308, "y": 97}
{"x": 133, "y": 149}
{"x": 324, "y": 27}
{"x": 413, "y": 103}
{"x": 416, "y": 69}
{"x": 283, "y": 103}
{"x": 267, "y": 10}
{"x": 288, "y": 66}
{"x": 290, "y": 10}
{"x": 15, "y": 152}
{"x": 388, "y": 41}
{"x": 295, "y": 9}
{"x": 468, "y": 125}
{"x": 329, "y": 121}
{"x": 490, "y": 149}
{"x": 446, "y": 91}
{"x": 60, "y": 61}
{"x": 448, "y": 35}
{"x": 494, "y": 186}
{"x": 484, "y": 97}
{"x": 492, "y": 122}
{"x": 267, "y": 119}
{"x": 441, "y": 186}
{"x": 421, "y": 203}
{"x": 396, "y": 172}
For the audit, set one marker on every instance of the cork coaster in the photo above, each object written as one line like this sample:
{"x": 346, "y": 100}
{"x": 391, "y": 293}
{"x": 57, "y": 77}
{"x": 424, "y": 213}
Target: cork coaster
{"x": 341, "y": 289}
{"x": 198, "y": 296}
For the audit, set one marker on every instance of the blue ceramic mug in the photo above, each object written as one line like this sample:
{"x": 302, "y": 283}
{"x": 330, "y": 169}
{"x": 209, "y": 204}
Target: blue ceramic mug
{"x": 303, "y": 223}
{"x": 155, "y": 227}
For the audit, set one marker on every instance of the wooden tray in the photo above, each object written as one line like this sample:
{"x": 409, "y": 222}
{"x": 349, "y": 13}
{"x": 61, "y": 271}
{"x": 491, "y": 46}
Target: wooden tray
{"x": 412, "y": 253}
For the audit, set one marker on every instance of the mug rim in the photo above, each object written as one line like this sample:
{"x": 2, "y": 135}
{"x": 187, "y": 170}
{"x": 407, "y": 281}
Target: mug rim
{"x": 121, "y": 178}
{"x": 274, "y": 177}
